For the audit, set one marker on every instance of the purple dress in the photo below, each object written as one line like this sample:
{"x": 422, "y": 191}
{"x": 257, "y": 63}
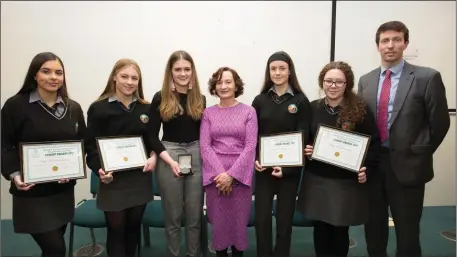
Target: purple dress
{"x": 228, "y": 139}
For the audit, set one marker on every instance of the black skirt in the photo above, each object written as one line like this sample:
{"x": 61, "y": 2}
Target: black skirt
{"x": 128, "y": 189}
{"x": 42, "y": 214}
{"x": 339, "y": 202}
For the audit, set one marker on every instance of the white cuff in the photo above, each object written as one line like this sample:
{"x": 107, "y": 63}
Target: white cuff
{"x": 14, "y": 174}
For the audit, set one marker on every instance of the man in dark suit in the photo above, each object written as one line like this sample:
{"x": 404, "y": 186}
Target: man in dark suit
{"x": 412, "y": 117}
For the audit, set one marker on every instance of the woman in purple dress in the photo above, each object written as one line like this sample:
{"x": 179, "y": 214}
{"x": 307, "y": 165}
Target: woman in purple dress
{"x": 228, "y": 138}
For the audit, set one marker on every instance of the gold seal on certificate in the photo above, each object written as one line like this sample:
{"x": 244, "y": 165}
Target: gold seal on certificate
{"x": 341, "y": 148}
{"x": 51, "y": 161}
{"x": 121, "y": 153}
{"x": 283, "y": 150}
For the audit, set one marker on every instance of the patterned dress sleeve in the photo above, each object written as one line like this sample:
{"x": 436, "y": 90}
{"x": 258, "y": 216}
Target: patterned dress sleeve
{"x": 255, "y": 105}
{"x": 243, "y": 167}
{"x": 211, "y": 165}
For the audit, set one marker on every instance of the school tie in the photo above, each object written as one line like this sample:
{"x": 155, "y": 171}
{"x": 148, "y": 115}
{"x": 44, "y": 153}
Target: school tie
{"x": 383, "y": 106}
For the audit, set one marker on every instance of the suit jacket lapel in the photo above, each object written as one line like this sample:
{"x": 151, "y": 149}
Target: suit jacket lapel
{"x": 404, "y": 85}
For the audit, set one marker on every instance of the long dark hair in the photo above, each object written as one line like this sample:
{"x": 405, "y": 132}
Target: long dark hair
{"x": 30, "y": 84}
{"x": 293, "y": 80}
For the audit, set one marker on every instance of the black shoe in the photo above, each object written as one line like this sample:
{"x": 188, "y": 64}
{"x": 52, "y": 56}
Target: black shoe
{"x": 236, "y": 252}
{"x": 222, "y": 253}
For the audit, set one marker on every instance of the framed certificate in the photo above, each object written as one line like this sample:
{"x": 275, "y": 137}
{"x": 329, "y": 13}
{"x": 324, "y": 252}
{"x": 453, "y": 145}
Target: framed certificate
{"x": 43, "y": 162}
{"x": 341, "y": 148}
{"x": 282, "y": 150}
{"x": 121, "y": 153}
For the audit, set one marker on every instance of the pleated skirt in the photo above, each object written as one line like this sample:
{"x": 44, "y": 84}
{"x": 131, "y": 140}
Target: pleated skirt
{"x": 128, "y": 189}
{"x": 42, "y": 214}
{"x": 339, "y": 202}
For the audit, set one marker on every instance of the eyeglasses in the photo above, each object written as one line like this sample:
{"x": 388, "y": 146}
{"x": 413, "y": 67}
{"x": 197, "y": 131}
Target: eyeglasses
{"x": 329, "y": 83}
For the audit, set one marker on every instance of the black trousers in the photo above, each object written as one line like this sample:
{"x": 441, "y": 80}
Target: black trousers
{"x": 406, "y": 204}
{"x": 286, "y": 190}
{"x": 330, "y": 241}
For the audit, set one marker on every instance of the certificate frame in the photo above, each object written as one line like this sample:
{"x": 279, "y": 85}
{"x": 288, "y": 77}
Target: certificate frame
{"x": 26, "y": 171}
{"x": 301, "y": 159}
{"x": 361, "y": 156}
{"x": 103, "y": 159}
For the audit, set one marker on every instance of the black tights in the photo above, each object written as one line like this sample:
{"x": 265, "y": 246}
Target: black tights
{"x": 124, "y": 231}
{"x": 330, "y": 241}
{"x": 52, "y": 243}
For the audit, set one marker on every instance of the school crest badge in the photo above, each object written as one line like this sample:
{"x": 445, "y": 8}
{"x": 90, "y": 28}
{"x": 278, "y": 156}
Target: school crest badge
{"x": 292, "y": 108}
{"x": 144, "y": 118}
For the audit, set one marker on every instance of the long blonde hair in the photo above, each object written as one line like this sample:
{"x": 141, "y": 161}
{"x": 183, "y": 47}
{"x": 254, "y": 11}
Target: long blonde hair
{"x": 170, "y": 105}
{"x": 110, "y": 88}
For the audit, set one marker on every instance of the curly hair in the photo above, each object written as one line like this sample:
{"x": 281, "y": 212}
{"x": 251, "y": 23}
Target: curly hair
{"x": 217, "y": 76}
{"x": 353, "y": 107}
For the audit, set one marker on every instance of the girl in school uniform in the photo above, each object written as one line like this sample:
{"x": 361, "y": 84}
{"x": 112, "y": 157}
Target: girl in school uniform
{"x": 41, "y": 111}
{"x": 121, "y": 111}
{"x": 335, "y": 198}
{"x": 179, "y": 108}
{"x": 281, "y": 107}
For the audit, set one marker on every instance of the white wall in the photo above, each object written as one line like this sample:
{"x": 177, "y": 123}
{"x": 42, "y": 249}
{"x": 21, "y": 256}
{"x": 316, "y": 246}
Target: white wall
{"x": 432, "y": 30}
{"x": 91, "y": 36}
{"x": 441, "y": 190}
{"x": 432, "y": 43}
